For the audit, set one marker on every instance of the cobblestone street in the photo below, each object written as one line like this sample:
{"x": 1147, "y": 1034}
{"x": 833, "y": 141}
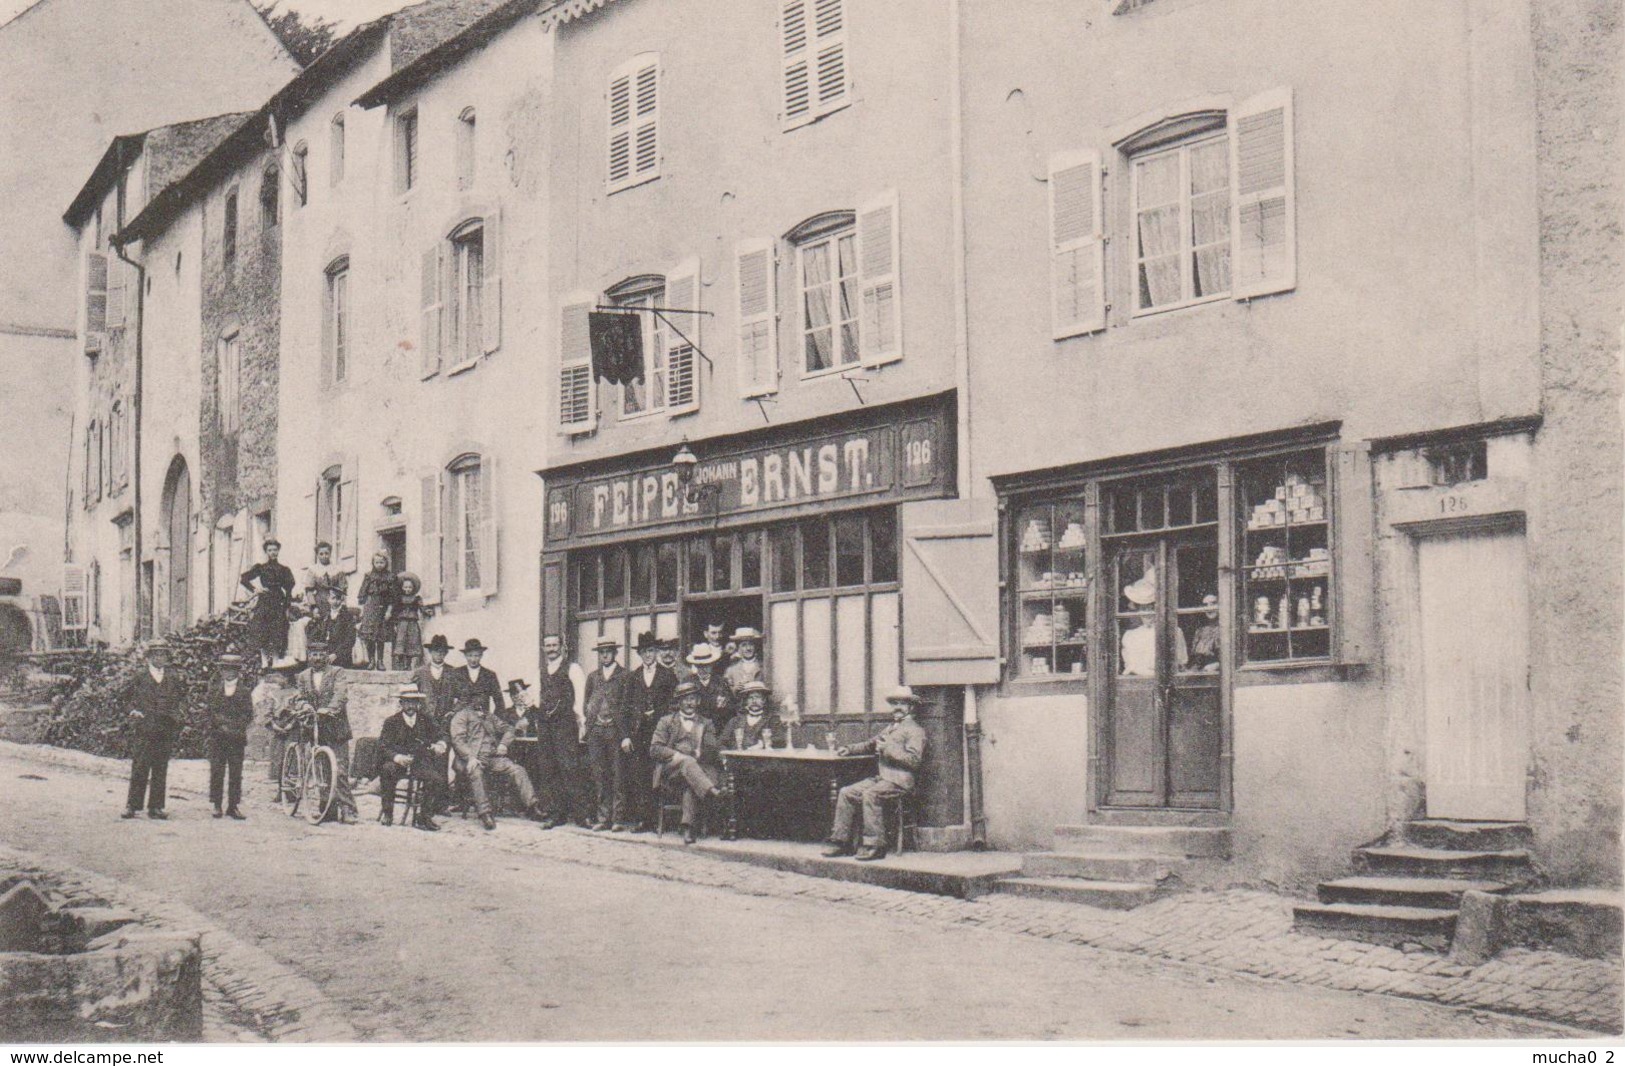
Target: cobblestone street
{"x": 565, "y": 935}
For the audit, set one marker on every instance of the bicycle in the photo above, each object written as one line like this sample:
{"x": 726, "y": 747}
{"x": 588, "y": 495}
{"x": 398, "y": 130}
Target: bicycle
{"x": 309, "y": 767}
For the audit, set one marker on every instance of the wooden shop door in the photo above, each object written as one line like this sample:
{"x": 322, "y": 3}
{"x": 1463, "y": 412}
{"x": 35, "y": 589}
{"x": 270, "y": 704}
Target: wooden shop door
{"x": 1475, "y": 673}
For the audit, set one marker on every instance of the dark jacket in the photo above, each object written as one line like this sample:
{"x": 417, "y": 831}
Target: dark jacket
{"x": 671, "y": 740}
{"x": 229, "y": 716}
{"x": 716, "y": 698}
{"x": 162, "y": 707}
{"x": 650, "y": 703}
{"x": 442, "y": 703}
{"x": 740, "y": 723}
{"x": 609, "y": 703}
{"x": 330, "y": 696}
{"x": 337, "y": 633}
{"x": 395, "y": 737}
{"x": 484, "y": 693}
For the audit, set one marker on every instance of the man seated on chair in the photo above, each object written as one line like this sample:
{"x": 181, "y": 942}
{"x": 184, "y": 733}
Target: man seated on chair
{"x": 481, "y": 737}
{"x": 411, "y": 745}
{"x": 754, "y": 726}
{"x": 686, "y": 750}
{"x": 900, "y": 748}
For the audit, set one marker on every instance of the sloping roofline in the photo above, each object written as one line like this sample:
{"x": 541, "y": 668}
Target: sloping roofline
{"x": 448, "y": 53}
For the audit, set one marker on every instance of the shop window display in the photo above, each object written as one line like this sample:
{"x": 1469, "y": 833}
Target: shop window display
{"x": 1052, "y": 589}
{"x": 1286, "y": 589}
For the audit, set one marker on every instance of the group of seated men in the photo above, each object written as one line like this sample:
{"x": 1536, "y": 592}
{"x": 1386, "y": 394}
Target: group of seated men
{"x": 647, "y": 732}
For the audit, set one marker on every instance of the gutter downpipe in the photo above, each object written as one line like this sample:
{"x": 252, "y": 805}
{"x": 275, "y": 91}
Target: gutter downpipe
{"x": 973, "y": 724}
{"x": 135, "y": 397}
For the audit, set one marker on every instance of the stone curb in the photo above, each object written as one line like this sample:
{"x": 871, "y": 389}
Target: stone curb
{"x": 274, "y": 1001}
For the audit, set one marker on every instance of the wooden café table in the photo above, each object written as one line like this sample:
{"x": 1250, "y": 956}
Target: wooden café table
{"x": 807, "y": 765}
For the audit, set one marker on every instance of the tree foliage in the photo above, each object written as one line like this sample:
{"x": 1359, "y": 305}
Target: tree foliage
{"x": 304, "y": 36}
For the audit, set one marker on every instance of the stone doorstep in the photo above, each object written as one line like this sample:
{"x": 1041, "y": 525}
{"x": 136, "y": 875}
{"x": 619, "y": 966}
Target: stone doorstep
{"x": 1099, "y": 866}
{"x": 1441, "y": 893}
{"x": 1509, "y": 866}
{"x": 1376, "y": 923}
{"x": 1176, "y": 842}
{"x": 1110, "y": 895}
{"x": 1466, "y": 836}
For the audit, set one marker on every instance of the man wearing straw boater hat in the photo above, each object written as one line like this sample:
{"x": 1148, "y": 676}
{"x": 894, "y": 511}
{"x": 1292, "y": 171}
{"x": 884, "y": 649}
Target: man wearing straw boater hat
{"x": 156, "y": 713}
{"x": 747, "y": 663}
{"x": 410, "y": 743}
{"x": 716, "y": 697}
{"x": 608, "y": 708}
{"x": 900, "y": 749}
{"x": 231, "y": 710}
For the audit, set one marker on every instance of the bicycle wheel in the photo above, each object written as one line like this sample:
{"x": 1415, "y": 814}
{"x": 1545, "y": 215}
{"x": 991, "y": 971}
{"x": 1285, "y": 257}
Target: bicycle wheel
{"x": 292, "y": 781}
{"x": 321, "y": 777}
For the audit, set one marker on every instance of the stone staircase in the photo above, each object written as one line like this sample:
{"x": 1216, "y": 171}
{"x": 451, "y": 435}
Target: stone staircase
{"x": 1118, "y": 867}
{"x": 1408, "y": 889}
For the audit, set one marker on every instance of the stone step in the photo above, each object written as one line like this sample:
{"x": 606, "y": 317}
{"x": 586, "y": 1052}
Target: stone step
{"x": 1509, "y": 866}
{"x": 1467, "y": 836}
{"x": 1588, "y": 922}
{"x": 1178, "y": 842}
{"x": 1097, "y": 866}
{"x": 1443, "y": 893}
{"x": 1111, "y": 895}
{"x": 1373, "y": 923}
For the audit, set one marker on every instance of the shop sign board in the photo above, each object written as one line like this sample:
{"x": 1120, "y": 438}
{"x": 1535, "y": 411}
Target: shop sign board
{"x": 891, "y": 461}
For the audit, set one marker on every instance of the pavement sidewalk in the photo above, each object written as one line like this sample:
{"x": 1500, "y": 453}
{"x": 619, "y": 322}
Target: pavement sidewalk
{"x": 1238, "y": 930}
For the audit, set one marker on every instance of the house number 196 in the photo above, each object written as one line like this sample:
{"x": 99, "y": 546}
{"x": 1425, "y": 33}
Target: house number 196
{"x": 919, "y": 453}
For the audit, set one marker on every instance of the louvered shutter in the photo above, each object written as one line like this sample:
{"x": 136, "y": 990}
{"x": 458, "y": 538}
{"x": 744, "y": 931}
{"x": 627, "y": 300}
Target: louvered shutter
{"x": 829, "y": 46}
{"x": 95, "y": 296}
{"x": 489, "y": 527}
{"x": 879, "y": 321}
{"x": 430, "y": 304}
{"x": 758, "y": 320}
{"x": 634, "y": 122}
{"x": 646, "y": 122}
{"x": 74, "y": 616}
{"x": 793, "y": 31}
{"x": 1263, "y": 220}
{"x": 117, "y": 293}
{"x": 812, "y": 35}
{"x": 620, "y": 129}
{"x": 578, "y": 393}
{"x": 348, "y": 534}
{"x": 682, "y": 364}
{"x": 428, "y": 553}
{"x": 1077, "y": 245}
{"x": 491, "y": 284}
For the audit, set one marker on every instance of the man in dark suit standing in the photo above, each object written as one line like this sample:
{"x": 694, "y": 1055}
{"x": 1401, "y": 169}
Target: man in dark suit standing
{"x": 609, "y": 734}
{"x": 157, "y": 711}
{"x": 474, "y": 684}
{"x": 231, "y": 710}
{"x": 435, "y": 679}
{"x": 559, "y": 722}
{"x": 651, "y": 691}
{"x": 319, "y": 689}
{"x": 411, "y": 743}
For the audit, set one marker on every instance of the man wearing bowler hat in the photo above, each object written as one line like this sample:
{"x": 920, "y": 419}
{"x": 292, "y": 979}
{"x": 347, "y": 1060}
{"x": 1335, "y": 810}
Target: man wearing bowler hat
{"x": 410, "y": 743}
{"x": 559, "y": 720}
{"x": 434, "y": 680}
{"x": 608, "y": 708}
{"x": 231, "y": 709}
{"x": 476, "y": 684}
{"x": 651, "y": 691}
{"x": 900, "y": 748}
{"x": 157, "y": 715}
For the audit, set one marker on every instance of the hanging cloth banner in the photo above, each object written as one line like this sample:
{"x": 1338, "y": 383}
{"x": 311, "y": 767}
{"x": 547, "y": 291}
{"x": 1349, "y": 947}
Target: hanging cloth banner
{"x": 617, "y": 346}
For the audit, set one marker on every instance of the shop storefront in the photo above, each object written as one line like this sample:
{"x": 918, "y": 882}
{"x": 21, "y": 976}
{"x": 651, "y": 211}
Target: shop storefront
{"x": 793, "y": 531}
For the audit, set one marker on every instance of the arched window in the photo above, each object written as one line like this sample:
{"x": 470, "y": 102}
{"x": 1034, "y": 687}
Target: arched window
{"x": 645, "y": 396}
{"x": 465, "y": 322}
{"x": 228, "y": 238}
{"x": 270, "y": 196}
{"x": 336, "y": 320}
{"x": 469, "y": 513}
{"x": 827, "y": 291}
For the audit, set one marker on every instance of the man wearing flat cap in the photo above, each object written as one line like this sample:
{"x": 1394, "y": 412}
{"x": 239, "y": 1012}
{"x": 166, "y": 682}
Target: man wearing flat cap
{"x": 319, "y": 689}
{"x": 900, "y": 749}
{"x": 651, "y": 689}
{"x": 231, "y": 710}
{"x": 411, "y": 744}
{"x": 608, "y": 708}
{"x": 156, "y": 714}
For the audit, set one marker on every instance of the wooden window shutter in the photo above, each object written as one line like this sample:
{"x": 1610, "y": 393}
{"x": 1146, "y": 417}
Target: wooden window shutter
{"x": 1263, "y": 221}
{"x": 117, "y": 293}
{"x": 95, "y": 295}
{"x": 758, "y": 319}
{"x": 430, "y": 304}
{"x": 553, "y": 593}
{"x": 329, "y": 334}
{"x": 950, "y": 592}
{"x": 793, "y": 32}
{"x": 491, "y": 284}
{"x": 646, "y": 121}
{"x": 1353, "y": 564}
{"x": 318, "y": 505}
{"x": 578, "y": 393}
{"x": 812, "y": 38}
{"x": 880, "y": 337}
{"x": 829, "y": 43}
{"x": 75, "y": 618}
{"x": 682, "y": 369}
{"x": 620, "y": 129}
{"x": 348, "y": 548}
{"x": 489, "y": 527}
{"x": 428, "y": 552}
{"x": 1077, "y": 245}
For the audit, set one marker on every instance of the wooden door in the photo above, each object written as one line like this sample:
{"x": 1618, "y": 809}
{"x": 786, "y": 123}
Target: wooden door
{"x": 178, "y": 520}
{"x": 1475, "y": 673}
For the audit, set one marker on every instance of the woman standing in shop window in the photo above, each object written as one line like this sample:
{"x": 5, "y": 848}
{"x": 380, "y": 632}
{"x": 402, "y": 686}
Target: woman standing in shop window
{"x": 379, "y": 594}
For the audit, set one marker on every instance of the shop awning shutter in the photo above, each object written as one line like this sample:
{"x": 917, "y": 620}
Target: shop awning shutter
{"x": 950, "y": 592}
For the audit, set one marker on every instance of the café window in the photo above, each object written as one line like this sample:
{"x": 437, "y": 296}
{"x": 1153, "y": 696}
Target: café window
{"x": 1286, "y": 592}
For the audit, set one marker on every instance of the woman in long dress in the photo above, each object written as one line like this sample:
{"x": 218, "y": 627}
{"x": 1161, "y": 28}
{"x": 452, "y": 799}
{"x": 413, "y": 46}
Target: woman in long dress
{"x": 268, "y": 626}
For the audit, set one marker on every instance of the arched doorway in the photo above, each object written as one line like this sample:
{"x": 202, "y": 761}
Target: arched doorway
{"x": 177, "y": 518}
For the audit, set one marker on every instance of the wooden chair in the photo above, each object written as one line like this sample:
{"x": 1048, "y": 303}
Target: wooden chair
{"x": 902, "y": 823}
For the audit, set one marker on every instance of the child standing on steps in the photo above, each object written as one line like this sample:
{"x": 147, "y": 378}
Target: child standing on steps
{"x": 377, "y": 598}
